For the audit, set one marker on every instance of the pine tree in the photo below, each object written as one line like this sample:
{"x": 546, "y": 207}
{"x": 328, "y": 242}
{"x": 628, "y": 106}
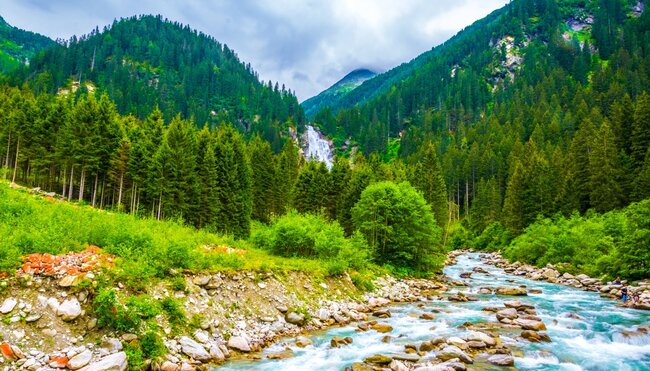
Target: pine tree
{"x": 233, "y": 183}
{"x": 642, "y": 180}
{"x": 514, "y": 217}
{"x": 640, "y": 138}
{"x": 287, "y": 171}
{"x": 119, "y": 167}
{"x": 426, "y": 177}
{"x": 263, "y": 179}
{"x": 207, "y": 173}
{"x": 605, "y": 181}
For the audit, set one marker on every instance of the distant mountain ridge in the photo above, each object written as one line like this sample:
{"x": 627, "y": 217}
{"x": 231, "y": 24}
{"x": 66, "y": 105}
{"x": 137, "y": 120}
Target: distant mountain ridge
{"x": 146, "y": 62}
{"x": 337, "y": 92}
{"x": 19, "y": 46}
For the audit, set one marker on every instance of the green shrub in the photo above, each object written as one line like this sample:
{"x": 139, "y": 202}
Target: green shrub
{"x": 399, "y": 226}
{"x": 494, "y": 237}
{"x": 111, "y": 313}
{"x": 174, "y": 310}
{"x": 178, "y": 283}
{"x": 152, "y": 345}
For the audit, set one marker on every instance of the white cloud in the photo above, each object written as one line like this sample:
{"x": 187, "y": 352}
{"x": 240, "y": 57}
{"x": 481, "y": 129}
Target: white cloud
{"x": 307, "y": 45}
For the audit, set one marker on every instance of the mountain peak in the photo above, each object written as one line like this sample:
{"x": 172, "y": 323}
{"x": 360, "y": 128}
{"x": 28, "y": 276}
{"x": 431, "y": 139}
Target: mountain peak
{"x": 337, "y": 91}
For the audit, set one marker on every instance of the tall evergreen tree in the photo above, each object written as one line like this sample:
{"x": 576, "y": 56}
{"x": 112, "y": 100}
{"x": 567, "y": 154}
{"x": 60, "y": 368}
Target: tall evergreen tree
{"x": 426, "y": 176}
{"x": 263, "y": 179}
{"x": 606, "y": 190}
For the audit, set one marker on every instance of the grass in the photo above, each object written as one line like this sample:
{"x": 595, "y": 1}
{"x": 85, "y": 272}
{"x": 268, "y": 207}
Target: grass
{"x": 145, "y": 248}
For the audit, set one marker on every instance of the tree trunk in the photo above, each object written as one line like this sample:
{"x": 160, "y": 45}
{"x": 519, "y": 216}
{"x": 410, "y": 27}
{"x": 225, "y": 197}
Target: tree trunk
{"x": 82, "y": 184}
{"x": 95, "y": 188}
{"x": 119, "y": 192}
{"x": 101, "y": 196}
{"x": 7, "y": 155}
{"x": 13, "y": 179}
{"x": 159, "y": 204}
{"x": 71, "y": 183}
{"x": 65, "y": 170}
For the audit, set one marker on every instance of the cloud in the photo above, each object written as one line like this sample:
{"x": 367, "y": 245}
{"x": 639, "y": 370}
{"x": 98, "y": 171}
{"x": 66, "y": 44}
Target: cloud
{"x": 306, "y": 45}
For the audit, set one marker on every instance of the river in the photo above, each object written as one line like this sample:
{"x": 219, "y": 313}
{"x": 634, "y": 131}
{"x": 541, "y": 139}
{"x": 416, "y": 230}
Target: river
{"x": 586, "y": 330}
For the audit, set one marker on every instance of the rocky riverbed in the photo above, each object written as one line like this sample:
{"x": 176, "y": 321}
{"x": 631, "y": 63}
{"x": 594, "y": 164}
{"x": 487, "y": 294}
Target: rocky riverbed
{"x": 485, "y": 320}
{"x": 486, "y": 313}
{"x": 48, "y": 322}
{"x": 582, "y": 281}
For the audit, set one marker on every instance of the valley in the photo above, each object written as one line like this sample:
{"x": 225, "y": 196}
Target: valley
{"x": 485, "y": 205}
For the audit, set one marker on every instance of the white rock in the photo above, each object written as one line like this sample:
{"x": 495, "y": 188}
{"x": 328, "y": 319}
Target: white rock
{"x": 69, "y": 310}
{"x": 239, "y": 343}
{"x": 216, "y": 353}
{"x": 8, "y": 305}
{"x": 193, "y": 349}
{"x": 80, "y": 360}
{"x": 113, "y": 362}
{"x": 201, "y": 336}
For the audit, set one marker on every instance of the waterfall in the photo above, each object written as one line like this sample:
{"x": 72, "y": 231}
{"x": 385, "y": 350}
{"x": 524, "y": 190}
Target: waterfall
{"x": 318, "y": 147}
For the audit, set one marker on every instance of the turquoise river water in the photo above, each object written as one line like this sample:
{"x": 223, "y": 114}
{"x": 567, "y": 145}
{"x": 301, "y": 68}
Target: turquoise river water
{"x": 587, "y": 330}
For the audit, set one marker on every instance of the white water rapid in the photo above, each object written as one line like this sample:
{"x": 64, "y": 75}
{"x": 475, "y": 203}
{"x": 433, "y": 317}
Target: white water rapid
{"x": 318, "y": 147}
{"x": 588, "y": 332}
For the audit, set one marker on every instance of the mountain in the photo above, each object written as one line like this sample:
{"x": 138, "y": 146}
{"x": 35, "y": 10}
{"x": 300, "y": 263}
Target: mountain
{"x": 18, "y": 46}
{"x": 335, "y": 93}
{"x": 147, "y": 61}
{"x": 539, "y": 108}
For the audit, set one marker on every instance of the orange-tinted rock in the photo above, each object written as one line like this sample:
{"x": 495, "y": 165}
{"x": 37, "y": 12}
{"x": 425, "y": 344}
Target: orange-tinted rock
{"x": 7, "y": 352}
{"x": 59, "y": 362}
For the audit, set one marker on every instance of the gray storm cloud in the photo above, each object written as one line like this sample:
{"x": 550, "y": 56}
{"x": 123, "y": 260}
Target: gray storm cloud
{"x": 306, "y": 45}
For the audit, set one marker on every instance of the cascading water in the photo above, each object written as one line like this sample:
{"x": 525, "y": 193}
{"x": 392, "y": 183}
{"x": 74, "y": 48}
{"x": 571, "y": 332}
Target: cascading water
{"x": 318, "y": 147}
{"x": 588, "y": 332}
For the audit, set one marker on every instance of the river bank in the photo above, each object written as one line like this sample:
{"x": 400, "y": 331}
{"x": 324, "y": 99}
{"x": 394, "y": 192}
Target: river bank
{"x": 49, "y": 322}
{"x": 480, "y": 314}
{"x": 552, "y": 275}
{"x": 467, "y": 328}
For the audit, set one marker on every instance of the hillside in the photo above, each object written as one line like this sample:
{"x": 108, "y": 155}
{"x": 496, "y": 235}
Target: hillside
{"x": 335, "y": 93}
{"x": 147, "y": 61}
{"x": 18, "y": 47}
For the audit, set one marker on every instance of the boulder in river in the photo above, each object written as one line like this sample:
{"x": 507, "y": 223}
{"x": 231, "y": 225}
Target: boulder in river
{"x": 239, "y": 343}
{"x": 529, "y": 324}
{"x": 502, "y": 360}
{"x": 511, "y": 290}
{"x": 509, "y": 313}
{"x": 450, "y": 352}
{"x": 382, "y": 327}
{"x": 378, "y": 359}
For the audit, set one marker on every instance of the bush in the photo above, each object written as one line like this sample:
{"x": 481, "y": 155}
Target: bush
{"x": 494, "y": 237}
{"x": 311, "y": 236}
{"x": 399, "y": 226}
{"x": 110, "y": 313}
{"x": 611, "y": 244}
{"x": 174, "y": 310}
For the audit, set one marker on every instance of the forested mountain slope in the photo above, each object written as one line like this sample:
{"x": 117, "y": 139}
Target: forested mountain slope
{"x": 335, "y": 93}
{"x": 541, "y": 107}
{"x": 144, "y": 62}
{"x": 18, "y": 46}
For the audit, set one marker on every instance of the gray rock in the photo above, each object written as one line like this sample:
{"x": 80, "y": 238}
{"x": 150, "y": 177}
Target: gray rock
{"x": 482, "y": 337}
{"x": 201, "y": 280}
{"x": 502, "y": 360}
{"x": 509, "y": 313}
{"x": 511, "y": 290}
{"x": 113, "y": 362}
{"x": 8, "y": 305}
{"x": 216, "y": 353}
{"x": 193, "y": 349}
{"x": 69, "y": 310}
{"x": 529, "y": 324}
{"x": 295, "y": 318}
{"x": 451, "y": 352}
{"x": 201, "y": 336}
{"x": 80, "y": 360}
{"x": 239, "y": 343}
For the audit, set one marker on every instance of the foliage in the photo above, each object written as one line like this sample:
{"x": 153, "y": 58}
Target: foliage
{"x": 399, "y": 226}
{"x": 312, "y": 236}
{"x": 611, "y": 244}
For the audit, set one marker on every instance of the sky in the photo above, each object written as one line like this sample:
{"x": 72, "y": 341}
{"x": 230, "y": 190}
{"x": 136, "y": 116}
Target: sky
{"x": 307, "y": 45}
